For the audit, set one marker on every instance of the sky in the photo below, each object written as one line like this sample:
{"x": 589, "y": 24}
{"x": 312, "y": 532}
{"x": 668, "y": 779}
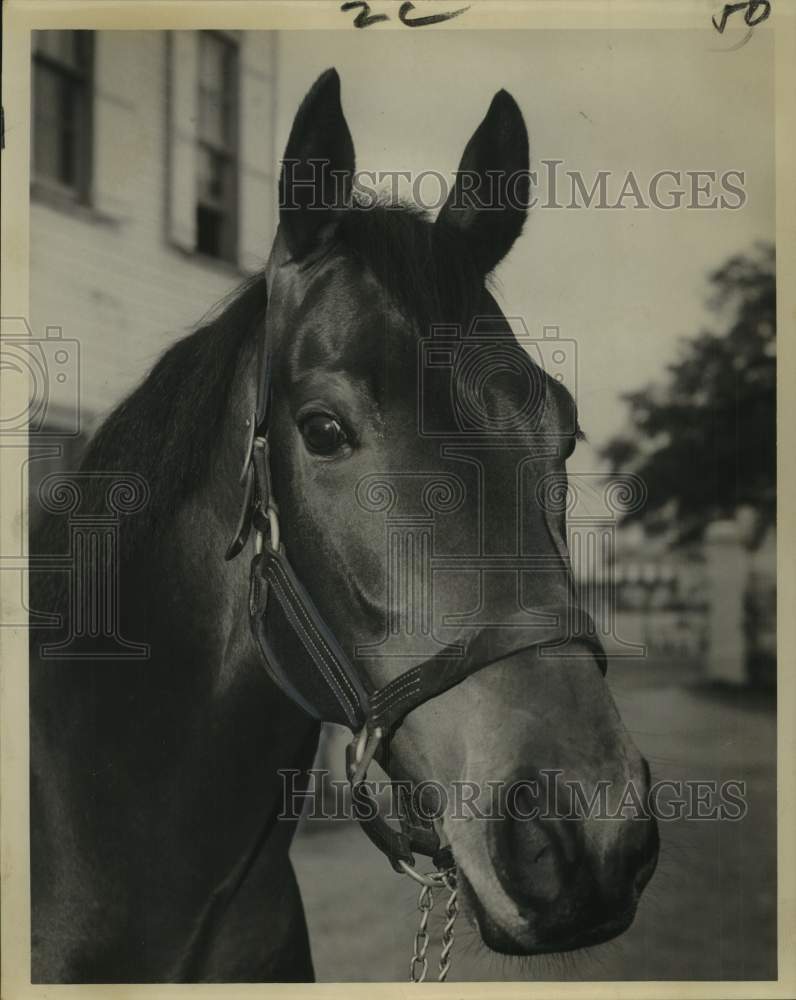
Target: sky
{"x": 622, "y": 284}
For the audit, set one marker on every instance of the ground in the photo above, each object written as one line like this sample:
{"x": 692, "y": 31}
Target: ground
{"x": 709, "y": 912}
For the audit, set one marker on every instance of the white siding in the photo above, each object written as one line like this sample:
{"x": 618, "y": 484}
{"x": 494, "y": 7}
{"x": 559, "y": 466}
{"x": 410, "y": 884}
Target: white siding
{"x": 110, "y": 276}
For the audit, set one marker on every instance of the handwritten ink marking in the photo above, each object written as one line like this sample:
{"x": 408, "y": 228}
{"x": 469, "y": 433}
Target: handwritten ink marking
{"x": 421, "y": 22}
{"x": 752, "y": 8}
{"x": 364, "y": 18}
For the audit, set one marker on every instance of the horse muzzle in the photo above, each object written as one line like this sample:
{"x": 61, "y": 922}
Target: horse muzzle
{"x": 549, "y": 892}
{"x": 547, "y": 858}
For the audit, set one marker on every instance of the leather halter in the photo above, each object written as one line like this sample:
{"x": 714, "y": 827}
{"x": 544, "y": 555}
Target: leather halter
{"x": 322, "y": 679}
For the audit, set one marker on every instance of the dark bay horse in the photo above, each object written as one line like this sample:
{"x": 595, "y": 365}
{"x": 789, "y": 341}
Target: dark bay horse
{"x": 157, "y": 853}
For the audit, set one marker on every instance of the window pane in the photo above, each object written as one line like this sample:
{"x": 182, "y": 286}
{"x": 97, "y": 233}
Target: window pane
{"x": 55, "y": 44}
{"x": 83, "y": 42}
{"x": 70, "y": 48}
{"x": 216, "y": 89}
{"x": 68, "y": 174}
{"x": 46, "y": 154}
{"x": 46, "y": 123}
{"x": 211, "y": 61}
{"x": 209, "y": 226}
{"x": 47, "y": 88}
{"x": 68, "y": 103}
{"x": 61, "y": 126}
{"x": 216, "y": 160}
{"x": 213, "y": 180}
{"x": 211, "y": 117}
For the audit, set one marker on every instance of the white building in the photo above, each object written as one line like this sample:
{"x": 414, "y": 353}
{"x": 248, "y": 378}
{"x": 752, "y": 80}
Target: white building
{"x": 152, "y": 195}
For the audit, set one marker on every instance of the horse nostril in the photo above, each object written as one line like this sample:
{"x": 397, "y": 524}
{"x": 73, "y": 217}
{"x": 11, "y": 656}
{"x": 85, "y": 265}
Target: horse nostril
{"x": 527, "y": 860}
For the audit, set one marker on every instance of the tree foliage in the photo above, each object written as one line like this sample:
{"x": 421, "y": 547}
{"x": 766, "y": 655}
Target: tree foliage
{"x": 704, "y": 441}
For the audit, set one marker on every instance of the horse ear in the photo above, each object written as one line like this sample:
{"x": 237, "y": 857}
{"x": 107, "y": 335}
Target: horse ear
{"x": 318, "y": 166}
{"x": 489, "y": 201}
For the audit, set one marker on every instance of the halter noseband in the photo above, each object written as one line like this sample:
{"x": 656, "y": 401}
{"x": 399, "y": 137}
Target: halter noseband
{"x": 323, "y": 680}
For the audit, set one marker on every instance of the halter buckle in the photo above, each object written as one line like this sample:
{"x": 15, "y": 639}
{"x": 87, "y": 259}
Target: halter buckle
{"x": 261, "y": 460}
{"x": 432, "y": 880}
{"x": 365, "y": 745}
{"x": 272, "y": 531}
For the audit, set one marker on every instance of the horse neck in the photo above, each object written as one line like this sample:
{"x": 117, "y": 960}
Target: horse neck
{"x": 175, "y": 756}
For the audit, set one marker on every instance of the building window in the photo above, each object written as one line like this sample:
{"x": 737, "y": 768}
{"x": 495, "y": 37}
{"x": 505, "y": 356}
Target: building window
{"x": 217, "y": 153}
{"x": 62, "y": 104}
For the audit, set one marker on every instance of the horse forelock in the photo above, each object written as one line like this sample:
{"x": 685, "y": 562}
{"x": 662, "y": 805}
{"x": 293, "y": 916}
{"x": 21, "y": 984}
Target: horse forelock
{"x": 424, "y": 268}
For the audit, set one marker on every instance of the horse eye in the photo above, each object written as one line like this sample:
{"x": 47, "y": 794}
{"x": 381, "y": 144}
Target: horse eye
{"x": 322, "y": 434}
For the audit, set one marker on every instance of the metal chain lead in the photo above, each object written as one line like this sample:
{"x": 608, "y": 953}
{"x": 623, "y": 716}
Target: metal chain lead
{"x": 451, "y": 912}
{"x": 418, "y": 967}
{"x": 425, "y": 902}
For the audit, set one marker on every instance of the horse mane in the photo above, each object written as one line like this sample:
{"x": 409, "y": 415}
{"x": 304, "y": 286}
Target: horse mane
{"x": 166, "y": 431}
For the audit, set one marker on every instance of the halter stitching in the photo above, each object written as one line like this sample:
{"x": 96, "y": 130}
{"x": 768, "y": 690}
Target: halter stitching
{"x": 387, "y": 694}
{"x": 318, "y": 635}
{"x": 324, "y": 661}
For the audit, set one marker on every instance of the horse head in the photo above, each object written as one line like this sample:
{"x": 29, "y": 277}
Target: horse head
{"x": 418, "y": 457}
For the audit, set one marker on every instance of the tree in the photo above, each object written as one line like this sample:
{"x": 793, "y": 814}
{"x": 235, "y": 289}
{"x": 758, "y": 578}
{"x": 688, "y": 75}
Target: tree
{"x": 704, "y": 441}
